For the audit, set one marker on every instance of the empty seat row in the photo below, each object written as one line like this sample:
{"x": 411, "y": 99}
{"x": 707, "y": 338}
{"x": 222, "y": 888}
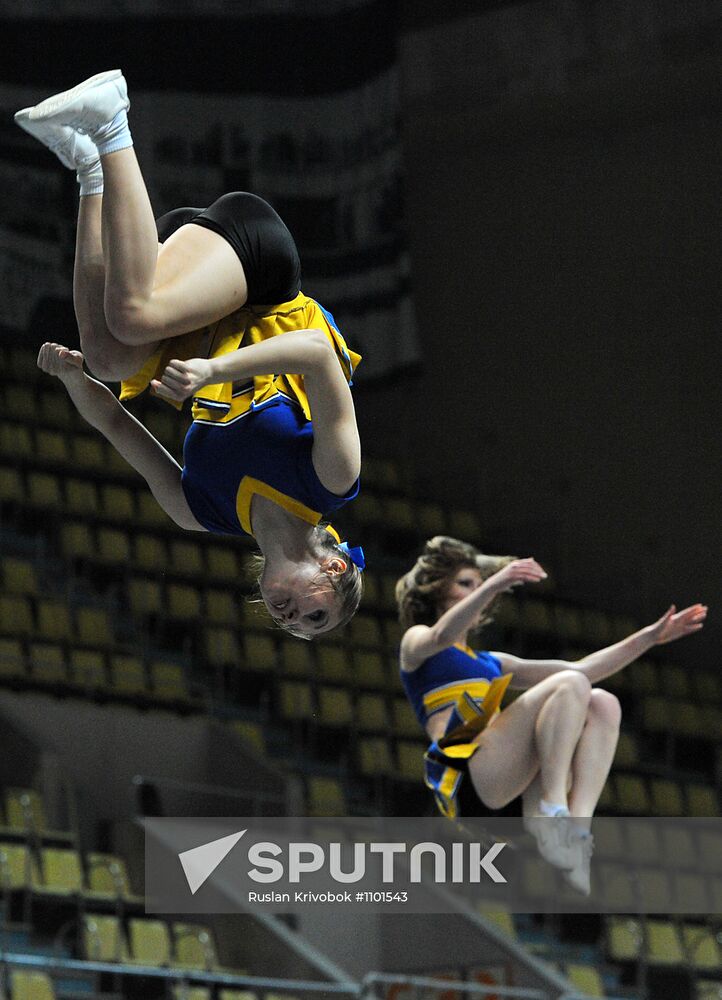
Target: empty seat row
{"x": 663, "y": 942}
{"x": 637, "y": 795}
{"x": 54, "y": 619}
{"x": 92, "y": 669}
{"x": 61, "y": 871}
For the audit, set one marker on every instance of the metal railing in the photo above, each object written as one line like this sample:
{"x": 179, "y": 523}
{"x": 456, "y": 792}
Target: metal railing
{"x": 419, "y": 983}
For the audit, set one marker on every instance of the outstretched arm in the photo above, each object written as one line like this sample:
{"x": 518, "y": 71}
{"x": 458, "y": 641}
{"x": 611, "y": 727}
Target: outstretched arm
{"x": 605, "y": 662}
{"x": 101, "y": 409}
{"x": 336, "y": 446}
{"x": 422, "y": 641}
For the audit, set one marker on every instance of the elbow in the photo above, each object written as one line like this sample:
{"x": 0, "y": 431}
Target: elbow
{"x": 319, "y": 351}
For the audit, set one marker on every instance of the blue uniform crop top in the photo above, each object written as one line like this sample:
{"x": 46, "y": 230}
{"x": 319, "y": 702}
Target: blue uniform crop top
{"x": 442, "y": 679}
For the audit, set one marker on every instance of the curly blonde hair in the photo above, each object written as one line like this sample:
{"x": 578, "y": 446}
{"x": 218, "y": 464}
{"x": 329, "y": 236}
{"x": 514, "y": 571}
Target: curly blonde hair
{"x": 419, "y": 592}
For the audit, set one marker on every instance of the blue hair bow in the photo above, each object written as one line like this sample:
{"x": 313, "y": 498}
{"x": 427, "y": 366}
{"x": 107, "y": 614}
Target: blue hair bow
{"x": 355, "y": 554}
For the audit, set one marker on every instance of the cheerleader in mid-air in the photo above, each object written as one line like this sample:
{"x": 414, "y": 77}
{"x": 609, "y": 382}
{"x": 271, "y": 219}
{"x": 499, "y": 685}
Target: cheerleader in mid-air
{"x": 554, "y": 744}
{"x": 204, "y": 304}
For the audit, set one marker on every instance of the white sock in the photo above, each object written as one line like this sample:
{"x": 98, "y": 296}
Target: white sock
{"x": 113, "y": 136}
{"x": 90, "y": 177}
{"x": 552, "y": 808}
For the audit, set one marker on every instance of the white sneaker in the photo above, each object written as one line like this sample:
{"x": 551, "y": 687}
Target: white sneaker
{"x": 555, "y": 838}
{"x": 580, "y": 876}
{"x": 87, "y": 107}
{"x": 71, "y": 148}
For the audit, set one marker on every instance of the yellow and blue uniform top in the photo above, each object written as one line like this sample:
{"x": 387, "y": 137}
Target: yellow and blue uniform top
{"x": 254, "y": 439}
{"x": 469, "y": 682}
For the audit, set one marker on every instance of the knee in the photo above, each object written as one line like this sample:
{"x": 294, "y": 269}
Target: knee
{"x": 605, "y": 708}
{"x": 128, "y": 322}
{"x": 574, "y": 684}
{"x": 104, "y": 363}
{"x": 493, "y": 800}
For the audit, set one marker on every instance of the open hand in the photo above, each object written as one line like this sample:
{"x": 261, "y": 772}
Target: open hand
{"x": 55, "y": 359}
{"x": 674, "y": 624}
{"x": 517, "y": 572}
{"x": 182, "y": 379}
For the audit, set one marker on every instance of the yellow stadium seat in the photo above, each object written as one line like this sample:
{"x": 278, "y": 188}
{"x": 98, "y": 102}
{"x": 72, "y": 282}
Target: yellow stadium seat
{"x": 117, "y": 466}
{"x": 19, "y": 576}
{"x": 31, "y": 985}
{"x": 568, "y": 623}
{"x": 88, "y": 452}
{"x": 692, "y": 891}
{"x": 244, "y": 995}
{"x": 371, "y": 713}
{"x": 702, "y": 800}
{"x": 113, "y": 547}
{"x": 707, "y": 684}
{"x": 666, "y": 797}
{"x": 18, "y": 867}
{"x": 56, "y": 408}
{"x": 631, "y": 793}
{"x": 61, "y": 872}
{"x": 53, "y": 620}
{"x": 76, "y": 541}
{"x": 93, "y": 627}
{"x": 183, "y": 601}
{"x": 374, "y": 756}
{"x": 335, "y": 708}
{"x": 410, "y": 758}
{"x": 627, "y": 754}
{"x": 127, "y": 675}
{"x": 168, "y": 680}
{"x": 365, "y": 630}
{"x": 297, "y": 657}
{"x": 149, "y": 553}
{"x": 325, "y": 797}
{"x": 194, "y": 947}
{"x": 260, "y": 652}
{"x": 19, "y": 403}
{"x": 150, "y": 942}
{"x": 117, "y": 503}
{"x": 43, "y": 490}
{"x": 685, "y": 718}
{"x": 87, "y": 668}
{"x": 405, "y": 722}
{"x": 371, "y": 592}
{"x": 220, "y": 607}
{"x": 145, "y": 596}
{"x": 11, "y": 485}
{"x": 186, "y": 558}
{"x": 103, "y": 939}
{"x": 221, "y": 647}
{"x": 150, "y": 513}
{"x": 432, "y": 520}
{"x": 501, "y": 919}
{"x": 367, "y": 509}
{"x": 464, "y": 524}
{"x": 12, "y": 658}
{"x": 663, "y": 943}
{"x": 624, "y": 939}
{"x": 586, "y": 979}
{"x": 368, "y": 670}
{"x": 295, "y": 700}
{"x": 250, "y": 732}
{"x": 708, "y": 989}
{"x": 333, "y": 663}
{"x": 655, "y": 889}
{"x": 47, "y": 662}
{"x": 107, "y": 876}
{"x": 701, "y": 946}
{"x": 24, "y": 810}
{"x": 81, "y": 497}
{"x": 16, "y": 441}
{"x": 16, "y": 615}
{"x": 381, "y": 472}
{"x": 185, "y": 992}
{"x": 221, "y": 564}
{"x": 679, "y": 847}
{"x": 51, "y": 447}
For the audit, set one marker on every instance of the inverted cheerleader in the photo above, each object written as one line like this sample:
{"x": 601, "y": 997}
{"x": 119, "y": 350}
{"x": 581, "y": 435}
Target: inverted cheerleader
{"x": 204, "y": 304}
{"x": 554, "y": 744}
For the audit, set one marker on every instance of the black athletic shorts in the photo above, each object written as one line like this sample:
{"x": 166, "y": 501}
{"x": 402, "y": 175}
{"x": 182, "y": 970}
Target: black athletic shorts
{"x": 259, "y": 236}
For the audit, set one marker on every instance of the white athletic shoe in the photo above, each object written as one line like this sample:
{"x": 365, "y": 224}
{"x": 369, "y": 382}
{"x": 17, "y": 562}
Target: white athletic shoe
{"x": 555, "y": 838}
{"x": 580, "y": 876}
{"x": 86, "y": 108}
{"x": 74, "y": 150}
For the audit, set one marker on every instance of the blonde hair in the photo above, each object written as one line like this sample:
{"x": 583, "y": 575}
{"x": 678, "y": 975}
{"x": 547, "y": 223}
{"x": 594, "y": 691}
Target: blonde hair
{"x": 419, "y": 592}
{"x": 348, "y": 585}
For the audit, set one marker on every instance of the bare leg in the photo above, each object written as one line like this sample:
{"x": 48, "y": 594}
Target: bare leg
{"x": 106, "y": 357}
{"x": 537, "y": 734}
{"x": 594, "y": 755}
{"x": 196, "y": 279}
